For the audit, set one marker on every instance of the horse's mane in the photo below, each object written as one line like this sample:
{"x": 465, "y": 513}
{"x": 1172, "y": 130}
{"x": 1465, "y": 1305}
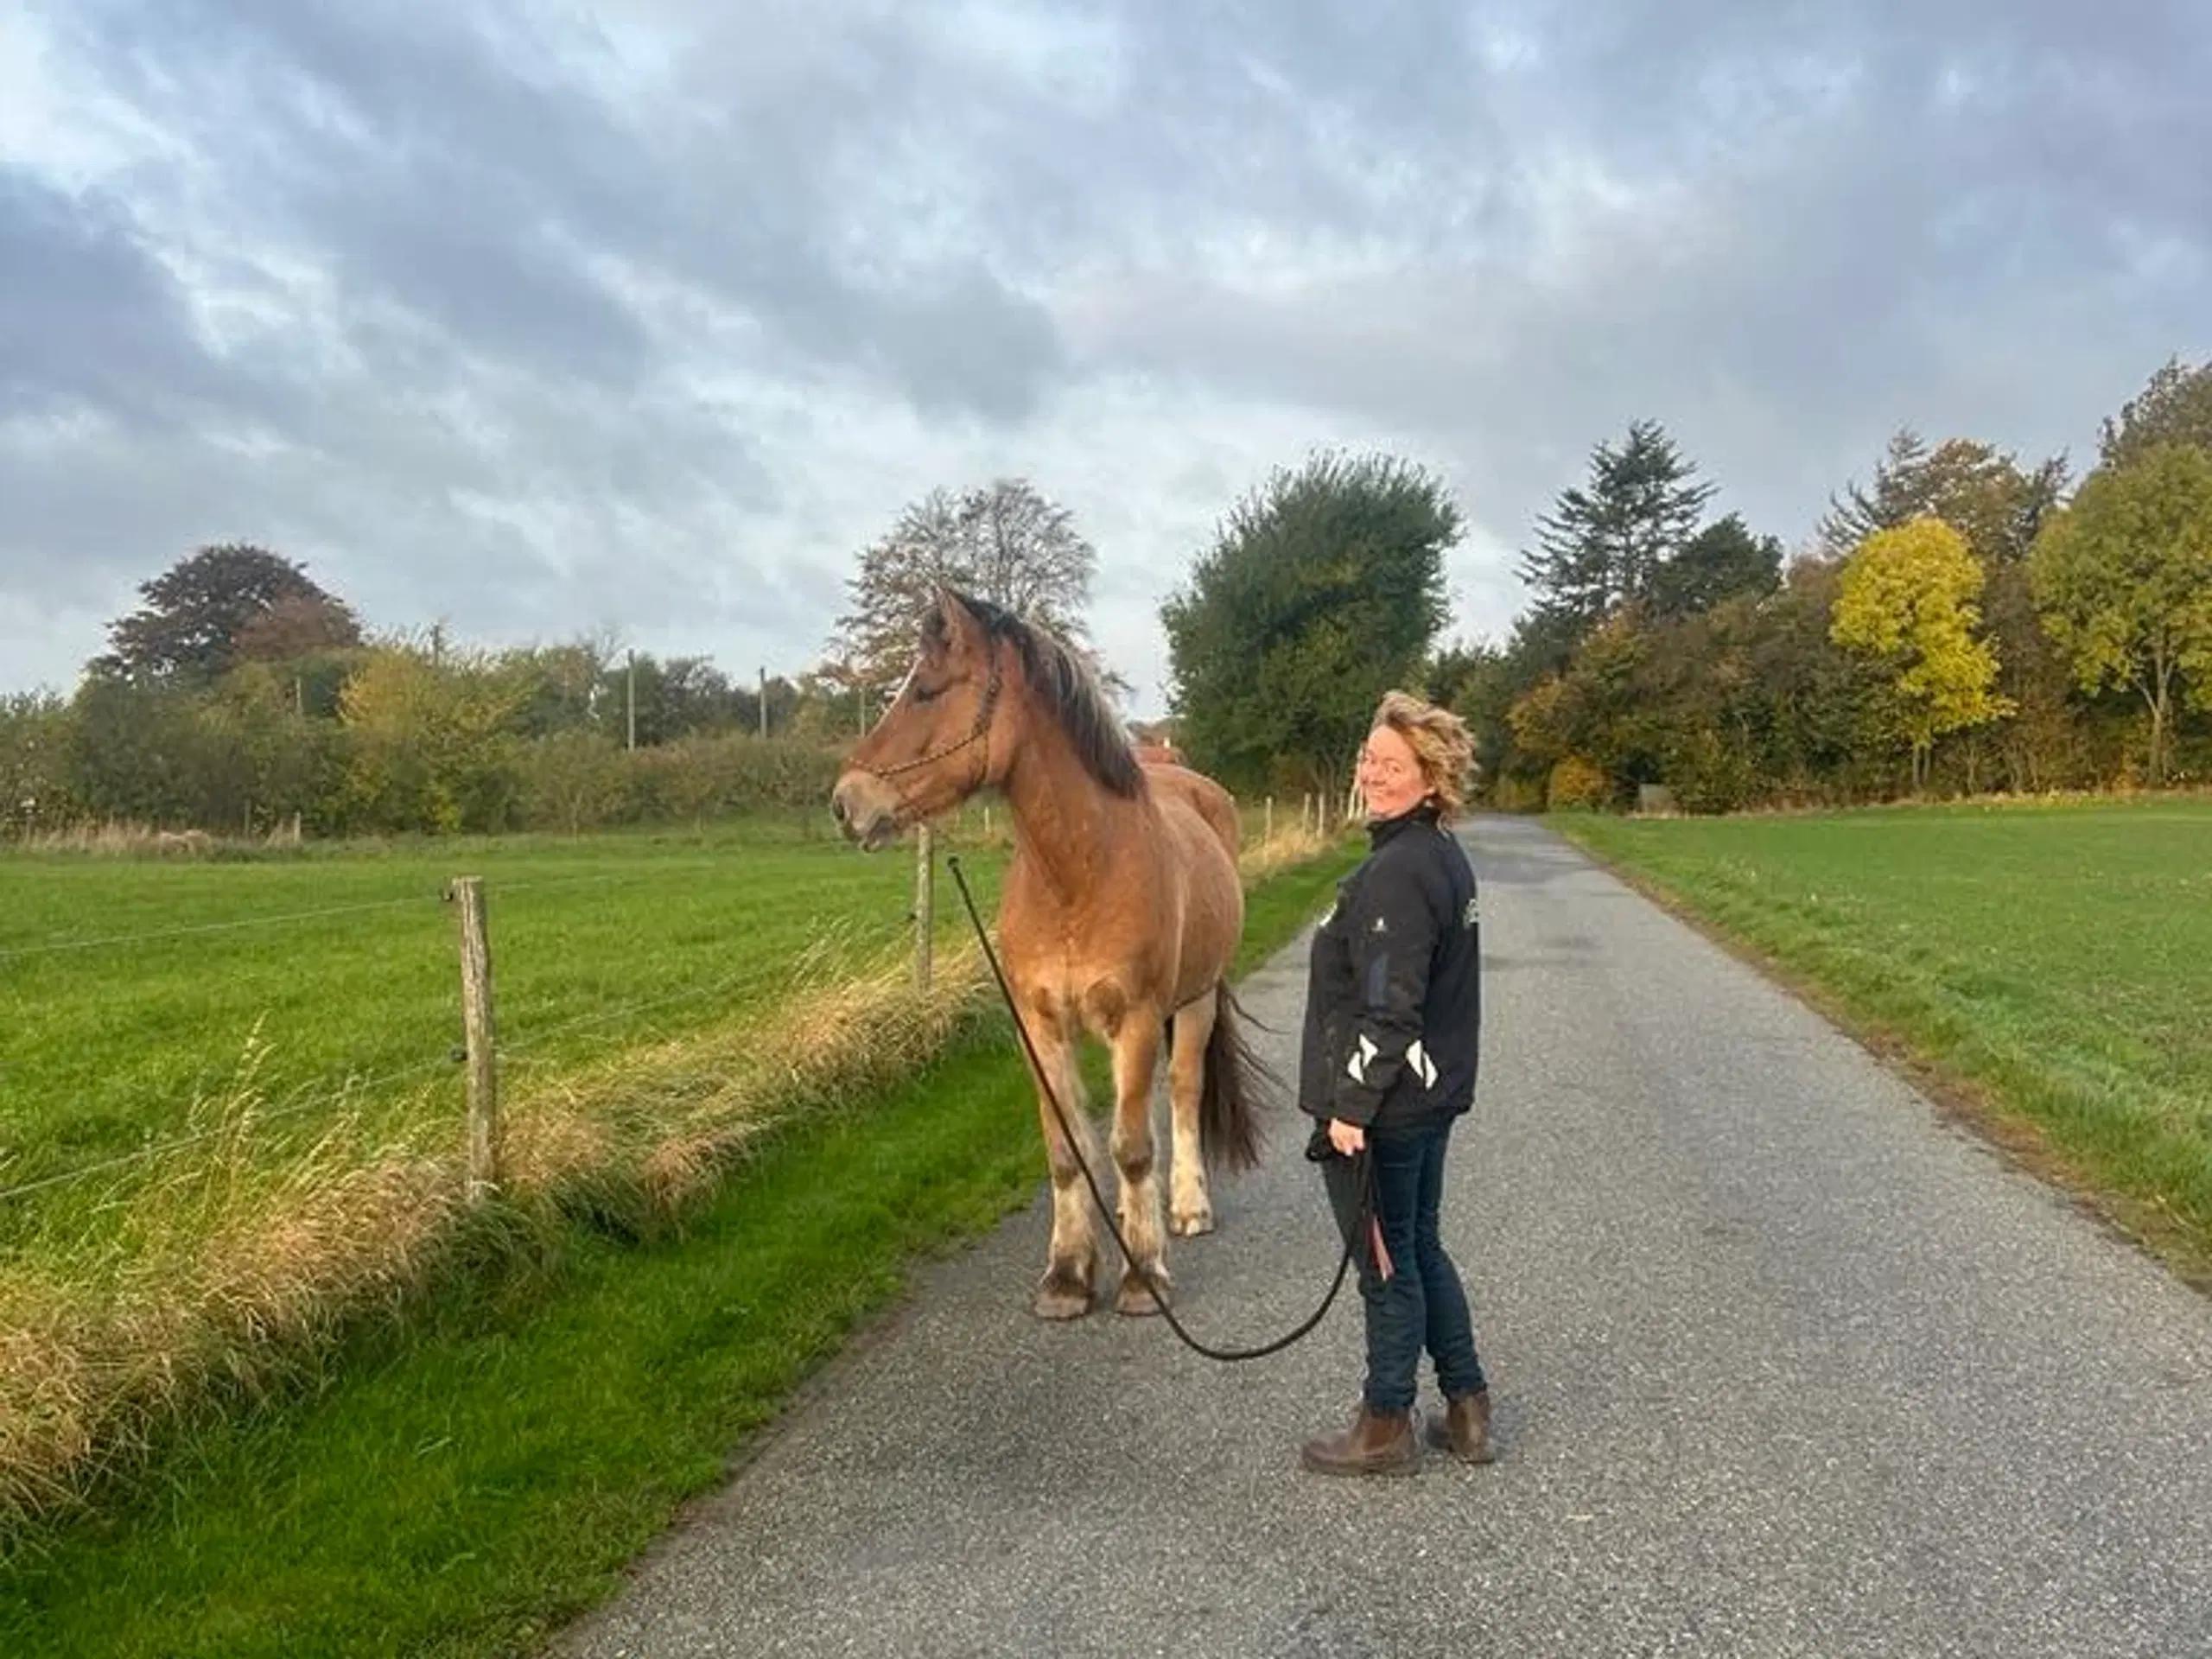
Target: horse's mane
{"x": 1066, "y": 688}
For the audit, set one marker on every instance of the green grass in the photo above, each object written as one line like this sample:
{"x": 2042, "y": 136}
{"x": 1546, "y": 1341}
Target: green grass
{"x": 2057, "y": 959}
{"x": 129, "y": 989}
{"x": 462, "y": 1486}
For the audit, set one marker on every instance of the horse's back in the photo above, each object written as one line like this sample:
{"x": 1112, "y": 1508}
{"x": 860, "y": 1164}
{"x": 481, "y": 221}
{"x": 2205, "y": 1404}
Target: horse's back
{"x": 1215, "y": 805}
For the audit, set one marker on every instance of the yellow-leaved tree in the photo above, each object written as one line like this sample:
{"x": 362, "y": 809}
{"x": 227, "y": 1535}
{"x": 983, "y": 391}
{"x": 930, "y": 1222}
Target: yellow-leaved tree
{"x": 431, "y": 741}
{"x": 1907, "y": 597}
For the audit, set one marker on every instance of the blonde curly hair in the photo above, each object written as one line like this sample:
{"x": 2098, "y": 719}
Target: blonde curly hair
{"x": 1440, "y": 743}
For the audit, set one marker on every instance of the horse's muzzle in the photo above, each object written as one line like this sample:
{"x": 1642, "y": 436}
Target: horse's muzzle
{"x": 866, "y": 810}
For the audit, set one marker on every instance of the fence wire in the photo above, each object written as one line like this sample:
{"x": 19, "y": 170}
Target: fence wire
{"x": 848, "y": 941}
{"x": 60, "y": 946}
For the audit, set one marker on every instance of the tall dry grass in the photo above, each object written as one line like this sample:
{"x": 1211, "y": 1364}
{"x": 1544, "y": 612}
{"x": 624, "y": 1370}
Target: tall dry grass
{"x": 1290, "y": 844}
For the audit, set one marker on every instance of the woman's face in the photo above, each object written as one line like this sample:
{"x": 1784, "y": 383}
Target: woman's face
{"x": 1389, "y": 774}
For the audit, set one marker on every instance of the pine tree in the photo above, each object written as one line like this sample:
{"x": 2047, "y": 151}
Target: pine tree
{"x": 1605, "y": 545}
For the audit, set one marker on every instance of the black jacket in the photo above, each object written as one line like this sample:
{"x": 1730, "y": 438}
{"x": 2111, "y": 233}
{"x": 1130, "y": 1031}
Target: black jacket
{"x": 1394, "y": 1000}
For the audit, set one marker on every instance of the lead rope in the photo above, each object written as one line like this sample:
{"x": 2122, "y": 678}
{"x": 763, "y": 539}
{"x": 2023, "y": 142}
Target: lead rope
{"x": 1227, "y": 1355}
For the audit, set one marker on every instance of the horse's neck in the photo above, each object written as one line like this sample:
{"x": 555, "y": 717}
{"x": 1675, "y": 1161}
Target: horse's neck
{"x": 1073, "y": 827}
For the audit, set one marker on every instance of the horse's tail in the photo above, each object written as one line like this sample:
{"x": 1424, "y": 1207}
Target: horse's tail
{"x": 1230, "y": 1130}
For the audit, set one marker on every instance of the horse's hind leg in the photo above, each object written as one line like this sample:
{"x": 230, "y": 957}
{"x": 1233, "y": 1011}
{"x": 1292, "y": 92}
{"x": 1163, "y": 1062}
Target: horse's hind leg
{"x": 1072, "y": 1260}
{"x": 1190, "y": 1211}
{"x": 1136, "y": 1056}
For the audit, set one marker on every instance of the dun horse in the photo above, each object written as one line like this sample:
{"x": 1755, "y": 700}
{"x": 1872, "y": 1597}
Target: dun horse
{"x": 1120, "y": 913}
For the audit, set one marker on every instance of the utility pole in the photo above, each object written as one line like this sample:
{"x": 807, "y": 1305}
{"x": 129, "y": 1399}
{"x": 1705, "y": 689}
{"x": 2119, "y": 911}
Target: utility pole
{"x": 633, "y": 699}
{"x": 764, "y": 702}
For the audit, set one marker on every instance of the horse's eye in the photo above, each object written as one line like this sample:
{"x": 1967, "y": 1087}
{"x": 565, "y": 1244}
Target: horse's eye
{"x": 925, "y": 694}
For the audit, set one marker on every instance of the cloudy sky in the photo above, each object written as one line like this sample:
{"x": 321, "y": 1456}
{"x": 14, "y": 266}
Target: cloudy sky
{"x": 641, "y": 316}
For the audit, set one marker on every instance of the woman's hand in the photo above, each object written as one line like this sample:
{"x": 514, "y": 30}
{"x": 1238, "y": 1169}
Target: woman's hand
{"x": 1347, "y": 1138}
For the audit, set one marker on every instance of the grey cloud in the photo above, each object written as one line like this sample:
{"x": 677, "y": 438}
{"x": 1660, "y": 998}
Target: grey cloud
{"x": 1872, "y": 250}
{"x": 532, "y": 264}
{"x": 91, "y": 318}
{"x": 437, "y": 178}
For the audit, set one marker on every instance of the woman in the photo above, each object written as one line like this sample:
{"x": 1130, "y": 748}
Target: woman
{"x": 1392, "y": 1016}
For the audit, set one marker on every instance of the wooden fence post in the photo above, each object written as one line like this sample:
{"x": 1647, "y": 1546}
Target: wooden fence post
{"x": 924, "y": 904}
{"x": 1267, "y": 833}
{"x": 467, "y": 892}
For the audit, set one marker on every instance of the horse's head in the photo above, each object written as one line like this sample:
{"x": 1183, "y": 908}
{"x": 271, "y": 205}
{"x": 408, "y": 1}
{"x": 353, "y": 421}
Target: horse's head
{"x": 932, "y": 748}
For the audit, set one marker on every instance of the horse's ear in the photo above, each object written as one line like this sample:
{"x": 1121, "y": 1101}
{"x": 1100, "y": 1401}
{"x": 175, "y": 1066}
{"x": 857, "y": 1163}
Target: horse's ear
{"x": 957, "y": 622}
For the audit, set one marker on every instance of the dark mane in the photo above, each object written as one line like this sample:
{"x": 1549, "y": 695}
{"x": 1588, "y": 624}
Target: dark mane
{"x": 1068, "y": 692}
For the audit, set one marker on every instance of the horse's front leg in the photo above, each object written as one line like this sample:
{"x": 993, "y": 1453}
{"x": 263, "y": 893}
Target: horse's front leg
{"x": 1136, "y": 1056}
{"x": 1072, "y": 1260}
{"x": 1191, "y": 1211}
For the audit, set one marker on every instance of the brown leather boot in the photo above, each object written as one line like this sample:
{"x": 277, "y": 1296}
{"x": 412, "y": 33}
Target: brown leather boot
{"x": 1464, "y": 1430}
{"x": 1377, "y": 1443}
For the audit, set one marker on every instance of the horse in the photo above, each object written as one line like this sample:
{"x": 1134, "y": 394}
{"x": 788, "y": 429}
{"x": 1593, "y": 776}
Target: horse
{"x": 1118, "y": 918}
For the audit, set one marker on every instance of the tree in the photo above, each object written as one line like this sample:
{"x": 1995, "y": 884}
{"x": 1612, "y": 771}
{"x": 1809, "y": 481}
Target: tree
{"x": 35, "y": 743}
{"x": 1907, "y": 597}
{"x": 189, "y": 631}
{"x": 1472, "y": 681}
{"x": 433, "y": 746}
{"x": 294, "y": 625}
{"x": 2123, "y": 580}
{"x": 575, "y": 778}
{"x": 1985, "y": 495}
{"x": 571, "y": 687}
{"x": 1603, "y": 545}
{"x": 136, "y": 751}
{"x": 261, "y": 759}
{"x": 1323, "y": 589}
{"x": 1003, "y": 542}
{"x": 686, "y": 695}
{"x": 1721, "y": 561}
{"x": 1978, "y": 491}
{"x": 2174, "y": 407}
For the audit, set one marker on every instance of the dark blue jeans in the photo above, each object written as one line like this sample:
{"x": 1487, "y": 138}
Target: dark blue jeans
{"x": 1422, "y": 1305}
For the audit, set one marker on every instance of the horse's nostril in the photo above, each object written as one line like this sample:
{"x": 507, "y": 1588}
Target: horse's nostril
{"x": 837, "y": 808}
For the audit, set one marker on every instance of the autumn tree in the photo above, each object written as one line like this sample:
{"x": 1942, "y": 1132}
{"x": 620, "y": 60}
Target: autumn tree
{"x": 1979, "y": 491}
{"x": 1004, "y": 542}
{"x": 2123, "y": 579}
{"x": 1323, "y": 588}
{"x": 296, "y": 624}
{"x": 200, "y": 612}
{"x": 432, "y": 740}
{"x": 1908, "y": 598}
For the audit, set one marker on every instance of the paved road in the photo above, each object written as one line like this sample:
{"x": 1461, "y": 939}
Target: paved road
{"x": 1784, "y": 1365}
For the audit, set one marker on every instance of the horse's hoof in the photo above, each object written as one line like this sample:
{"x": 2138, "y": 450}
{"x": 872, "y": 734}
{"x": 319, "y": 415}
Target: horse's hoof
{"x": 1061, "y": 1296}
{"x": 1136, "y": 1299}
{"x": 1189, "y": 1223}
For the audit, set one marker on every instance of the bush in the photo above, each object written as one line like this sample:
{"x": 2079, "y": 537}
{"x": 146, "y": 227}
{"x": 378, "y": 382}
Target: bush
{"x": 1577, "y": 784}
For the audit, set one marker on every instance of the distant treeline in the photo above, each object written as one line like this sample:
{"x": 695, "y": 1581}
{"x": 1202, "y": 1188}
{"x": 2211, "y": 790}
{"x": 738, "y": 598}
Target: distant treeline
{"x": 1965, "y": 623}
{"x": 398, "y": 738}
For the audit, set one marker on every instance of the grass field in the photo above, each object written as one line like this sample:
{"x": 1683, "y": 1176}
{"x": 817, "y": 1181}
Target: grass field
{"x": 2052, "y": 962}
{"x": 458, "y": 1486}
{"x": 133, "y": 991}
{"x": 231, "y": 1115}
